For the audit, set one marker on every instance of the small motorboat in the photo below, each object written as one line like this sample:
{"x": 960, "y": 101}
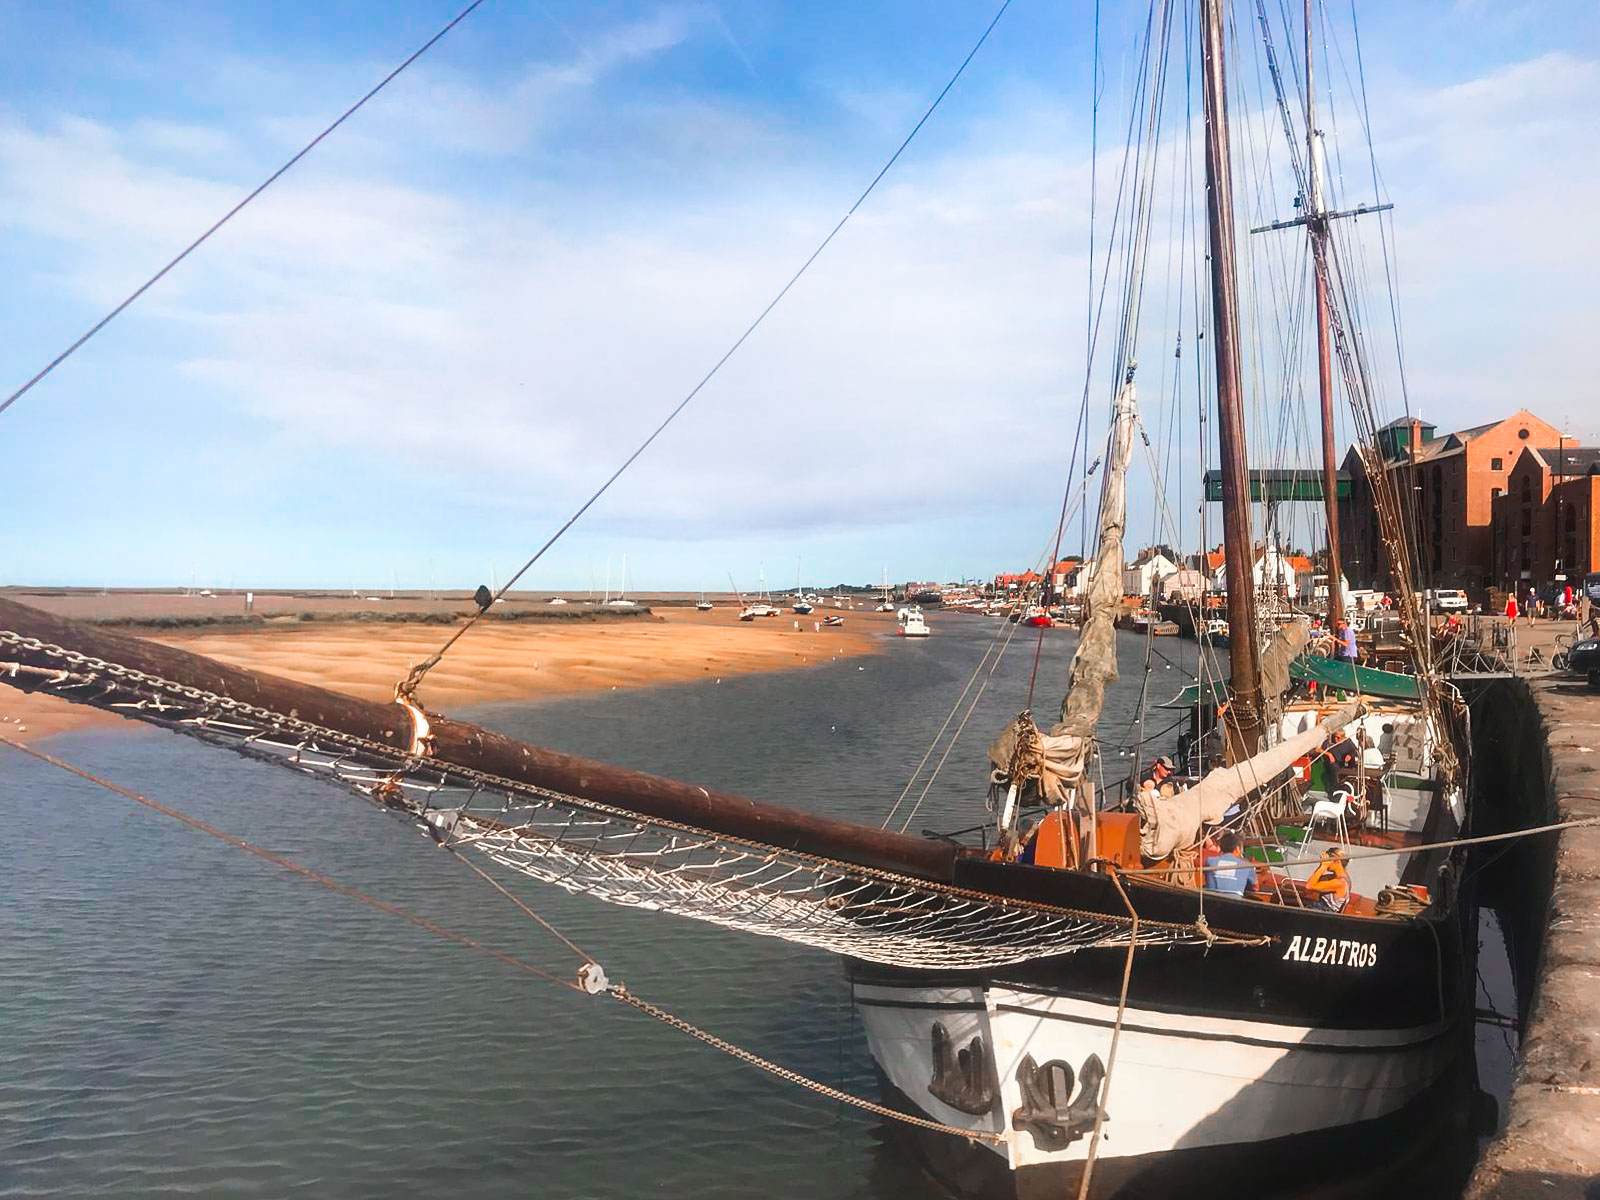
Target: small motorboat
{"x": 833, "y": 620}
{"x": 1038, "y": 618}
{"x": 912, "y": 623}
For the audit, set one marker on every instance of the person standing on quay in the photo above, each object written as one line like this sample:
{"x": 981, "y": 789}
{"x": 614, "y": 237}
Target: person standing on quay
{"x": 1347, "y": 643}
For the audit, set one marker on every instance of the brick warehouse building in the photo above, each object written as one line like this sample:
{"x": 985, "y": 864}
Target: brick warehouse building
{"x": 1545, "y": 524}
{"x": 1455, "y": 480}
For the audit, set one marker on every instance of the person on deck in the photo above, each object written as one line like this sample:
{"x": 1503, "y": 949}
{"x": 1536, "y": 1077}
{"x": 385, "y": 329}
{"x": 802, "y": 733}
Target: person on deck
{"x": 1161, "y": 769}
{"x": 1228, "y": 872}
{"x": 1342, "y": 758}
{"x": 1330, "y": 881}
{"x": 1347, "y": 643}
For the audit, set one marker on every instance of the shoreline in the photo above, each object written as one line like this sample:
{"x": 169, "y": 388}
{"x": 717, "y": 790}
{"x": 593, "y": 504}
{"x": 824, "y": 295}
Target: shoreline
{"x": 498, "y": 662}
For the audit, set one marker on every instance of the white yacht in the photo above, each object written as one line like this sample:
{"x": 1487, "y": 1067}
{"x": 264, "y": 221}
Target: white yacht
{"x": 912, "y": 623}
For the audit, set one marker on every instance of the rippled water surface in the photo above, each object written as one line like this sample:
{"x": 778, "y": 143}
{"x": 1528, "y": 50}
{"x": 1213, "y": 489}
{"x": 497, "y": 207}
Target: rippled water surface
{"x": 179, "y": 1017}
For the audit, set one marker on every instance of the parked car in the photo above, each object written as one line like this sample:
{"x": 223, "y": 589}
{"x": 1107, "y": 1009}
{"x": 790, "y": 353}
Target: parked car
{"x": 1584, "y": 658}
{"x": 1447, "y": 600}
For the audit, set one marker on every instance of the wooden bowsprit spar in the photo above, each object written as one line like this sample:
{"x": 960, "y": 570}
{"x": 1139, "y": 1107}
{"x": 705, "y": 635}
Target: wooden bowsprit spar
{"x": 621, "y": 836}
{"x": 31, "y": 653}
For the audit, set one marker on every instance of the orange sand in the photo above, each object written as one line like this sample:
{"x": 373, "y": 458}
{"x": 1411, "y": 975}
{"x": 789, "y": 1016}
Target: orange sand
{"x": 500, "y": 661}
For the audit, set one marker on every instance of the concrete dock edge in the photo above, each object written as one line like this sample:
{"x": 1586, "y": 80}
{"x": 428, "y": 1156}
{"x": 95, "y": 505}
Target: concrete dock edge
{"x": 1550, "y": 1145}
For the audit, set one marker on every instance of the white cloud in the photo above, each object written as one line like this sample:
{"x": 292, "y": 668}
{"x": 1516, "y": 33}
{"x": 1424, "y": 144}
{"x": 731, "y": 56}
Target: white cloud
{"x": 475, "y": 343}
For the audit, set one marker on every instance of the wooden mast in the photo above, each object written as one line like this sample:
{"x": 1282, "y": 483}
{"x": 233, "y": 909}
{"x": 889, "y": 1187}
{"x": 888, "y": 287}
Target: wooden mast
{"x": 1317, "y": 227}
{"x": 1245, "y": 727}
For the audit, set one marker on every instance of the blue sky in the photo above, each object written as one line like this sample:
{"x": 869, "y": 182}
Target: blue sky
{"x": 431, "y": 340}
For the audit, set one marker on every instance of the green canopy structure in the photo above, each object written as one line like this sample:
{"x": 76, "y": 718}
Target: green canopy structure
{"x": 1328, "y": 674}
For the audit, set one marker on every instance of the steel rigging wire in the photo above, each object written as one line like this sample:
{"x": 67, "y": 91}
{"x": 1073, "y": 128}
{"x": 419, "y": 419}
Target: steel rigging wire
{"x": 235, "y": 210}
{"x": 415, "y": 677}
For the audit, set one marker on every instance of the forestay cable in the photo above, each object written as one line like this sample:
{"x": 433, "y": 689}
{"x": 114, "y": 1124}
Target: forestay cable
{"x": 234, "y": 211}
{"x": 409, "y": 684}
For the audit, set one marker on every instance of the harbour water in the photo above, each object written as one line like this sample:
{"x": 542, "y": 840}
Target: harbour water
{"x": 180, "y": 1017}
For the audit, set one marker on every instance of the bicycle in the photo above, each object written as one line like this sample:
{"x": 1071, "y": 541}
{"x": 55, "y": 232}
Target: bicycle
{"x": 1562, "y": 654}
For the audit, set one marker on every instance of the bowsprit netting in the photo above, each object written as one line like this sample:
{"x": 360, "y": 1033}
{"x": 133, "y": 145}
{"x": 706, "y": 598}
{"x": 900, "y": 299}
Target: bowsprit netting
{"x": 612, "y": 854}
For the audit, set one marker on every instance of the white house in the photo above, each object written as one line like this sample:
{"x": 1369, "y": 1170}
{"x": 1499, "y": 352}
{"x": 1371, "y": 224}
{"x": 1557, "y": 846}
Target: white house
{"x": 1146, "y": 573}
{"x": 1288, "y": 574}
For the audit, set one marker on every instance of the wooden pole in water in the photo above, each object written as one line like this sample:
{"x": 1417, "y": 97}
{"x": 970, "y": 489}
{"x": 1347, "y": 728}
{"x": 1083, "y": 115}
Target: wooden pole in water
{"x": 1246, "y": 723}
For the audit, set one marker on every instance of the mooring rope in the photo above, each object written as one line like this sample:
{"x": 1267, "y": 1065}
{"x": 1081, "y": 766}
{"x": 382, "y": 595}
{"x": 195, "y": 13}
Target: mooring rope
{"x": 277, "y": 860}
{"x": 1111, "y": 1054}
{"x": 619, "y": 992}
{"x": 616, "y": 991}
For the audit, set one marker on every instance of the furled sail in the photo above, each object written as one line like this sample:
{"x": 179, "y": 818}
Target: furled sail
{"x": 1048, "y": 768}
{"x": 1284, "y": 647}
{"x": 1168, "y": 824}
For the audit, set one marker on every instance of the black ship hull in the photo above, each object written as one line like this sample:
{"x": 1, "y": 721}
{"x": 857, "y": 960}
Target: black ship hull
{"x": 1339, "y": 1026}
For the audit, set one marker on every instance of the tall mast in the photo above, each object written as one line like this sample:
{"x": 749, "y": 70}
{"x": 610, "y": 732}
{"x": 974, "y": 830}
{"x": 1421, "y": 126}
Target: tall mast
{"x": 1317, "y": 227}
{"x": 1246, "y": 724}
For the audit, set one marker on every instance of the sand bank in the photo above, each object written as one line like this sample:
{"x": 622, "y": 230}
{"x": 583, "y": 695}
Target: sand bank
{"x": 498, "y": 661}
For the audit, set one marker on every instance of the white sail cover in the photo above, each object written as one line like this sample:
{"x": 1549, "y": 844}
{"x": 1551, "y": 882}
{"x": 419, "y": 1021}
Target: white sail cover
{"x": 1168, "y": 824}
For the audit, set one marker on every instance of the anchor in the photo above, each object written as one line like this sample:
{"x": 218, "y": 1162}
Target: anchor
{"x": 1045, "y": 1111}
{"x": 964, "y": 1079}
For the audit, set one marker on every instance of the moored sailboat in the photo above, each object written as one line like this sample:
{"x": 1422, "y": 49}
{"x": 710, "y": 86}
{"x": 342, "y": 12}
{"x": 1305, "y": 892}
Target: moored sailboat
{"x": 994, "y": 982}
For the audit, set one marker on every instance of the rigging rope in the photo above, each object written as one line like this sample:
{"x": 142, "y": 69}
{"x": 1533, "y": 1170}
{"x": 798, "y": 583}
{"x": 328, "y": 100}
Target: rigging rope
{"x": 996, "y": 640}
{"x": 408, "y": 686}
{"x": 234, "y": 211}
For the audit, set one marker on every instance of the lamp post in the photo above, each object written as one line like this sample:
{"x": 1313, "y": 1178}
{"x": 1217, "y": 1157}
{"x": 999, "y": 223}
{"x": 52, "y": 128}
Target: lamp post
{"x": 1555, "y": 509}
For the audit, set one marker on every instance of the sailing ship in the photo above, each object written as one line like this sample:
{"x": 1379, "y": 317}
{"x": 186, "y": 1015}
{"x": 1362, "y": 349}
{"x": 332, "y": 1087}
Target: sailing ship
{"x": 620, "y": 600}
{"x": 1065, "y": 989}
{"x": 885, "y": 602}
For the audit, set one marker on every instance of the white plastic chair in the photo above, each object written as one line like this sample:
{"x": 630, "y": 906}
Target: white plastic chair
{"x": 1335, "y": 810}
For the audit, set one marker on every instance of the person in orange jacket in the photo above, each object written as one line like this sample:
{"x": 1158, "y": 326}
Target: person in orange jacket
{"x": 1331, "y": 881}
